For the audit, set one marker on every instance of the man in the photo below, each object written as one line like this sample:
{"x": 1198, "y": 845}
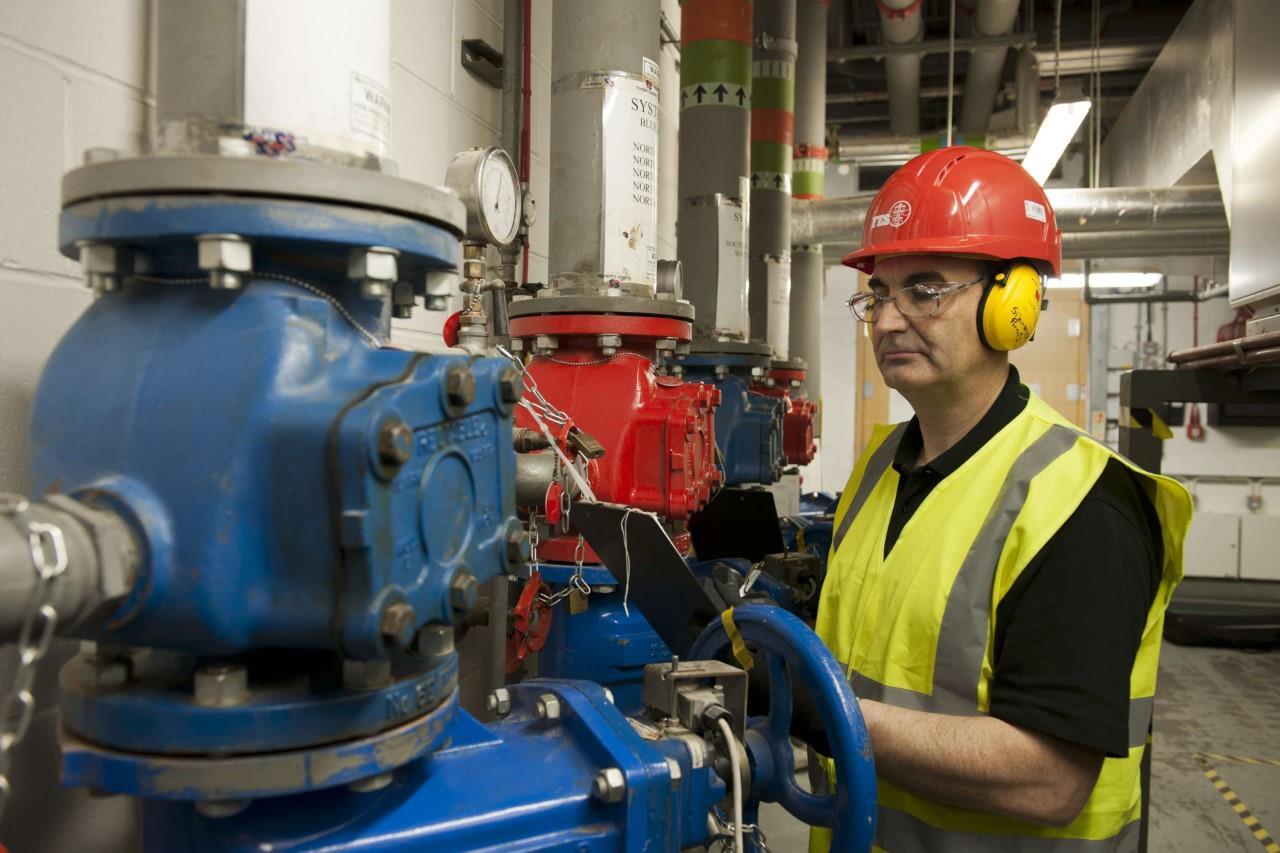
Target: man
{"x": 997, "y": 580}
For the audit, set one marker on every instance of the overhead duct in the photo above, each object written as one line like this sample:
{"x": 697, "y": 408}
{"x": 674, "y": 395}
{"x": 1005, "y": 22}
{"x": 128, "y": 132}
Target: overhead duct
{"x": 986, "y": 64}
{"x": 1105, "y": 211}
{"x": 902, "y": 23}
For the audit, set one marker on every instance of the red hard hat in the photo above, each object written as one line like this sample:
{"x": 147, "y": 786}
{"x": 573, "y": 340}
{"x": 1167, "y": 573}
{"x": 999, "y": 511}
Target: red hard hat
{"x": 961, "y": 201}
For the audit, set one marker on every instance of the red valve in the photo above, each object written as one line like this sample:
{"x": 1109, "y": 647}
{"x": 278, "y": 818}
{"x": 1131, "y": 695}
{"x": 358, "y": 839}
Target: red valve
{"x": 530, "y": 622}
{"x": 450, "y": 330}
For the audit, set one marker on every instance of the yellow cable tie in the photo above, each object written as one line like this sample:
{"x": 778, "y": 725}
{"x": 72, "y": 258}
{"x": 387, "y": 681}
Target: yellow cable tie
{"x": 740, "y": 651}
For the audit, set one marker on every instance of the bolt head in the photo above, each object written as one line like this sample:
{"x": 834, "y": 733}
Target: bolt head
{"x": 548, "y": 707}
{"x": 499, "y": 702}
{"x": 221, "y": 808}
{"x": 609, "y": 340}
{"x": 98, "y": 258}
{"x": 395, "y": 442}
{"x": 517, "y": 547}
{"x": 433, "y": 640}
{"x": 402, "y": 312}
{"x": 546, "y": 343}
{"x": 459, "y": 386}
{"x": 365, "y": 674}
{"x": 510, "y": 385}
{"x": 398, "y": 623}
{"x": 464, "y": 591}
{"x": 374, "y": 264}
{"x": 610, "y": 785}
{"x": 221, "y": 685}
{"x": 665, "y": 344}
{"x": 229, "y": 252}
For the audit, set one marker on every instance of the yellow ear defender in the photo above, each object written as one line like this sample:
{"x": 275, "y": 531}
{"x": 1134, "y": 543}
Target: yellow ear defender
{"x": 1010, "y": 307}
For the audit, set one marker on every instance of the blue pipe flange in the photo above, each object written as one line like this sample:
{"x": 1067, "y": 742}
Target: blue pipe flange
{"x": 791, "y": 650}
{"x": 257, "y": 775}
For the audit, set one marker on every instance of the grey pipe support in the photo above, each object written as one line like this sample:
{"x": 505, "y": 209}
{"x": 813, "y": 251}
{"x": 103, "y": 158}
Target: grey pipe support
{"x": 902, "y": 25}
{"x": 986, "y": 64}
{"x": 774, "y": 55}
{"x": 1128, "y": 210}
{"x": 589, "y": 36}
{"x": 807, "y": 266}
{"x": 102, "y": 564}
{"x": 512, "y": 83}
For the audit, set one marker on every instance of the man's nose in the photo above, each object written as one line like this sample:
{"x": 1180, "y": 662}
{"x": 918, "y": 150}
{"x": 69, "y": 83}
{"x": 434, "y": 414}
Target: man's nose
{"x": 889, "y": 319}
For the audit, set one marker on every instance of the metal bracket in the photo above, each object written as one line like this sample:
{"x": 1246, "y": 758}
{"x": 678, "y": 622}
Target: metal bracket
{"x": 483, "y": 60}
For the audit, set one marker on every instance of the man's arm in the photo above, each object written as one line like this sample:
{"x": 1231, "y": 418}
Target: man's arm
{"x": 982, "y": 763}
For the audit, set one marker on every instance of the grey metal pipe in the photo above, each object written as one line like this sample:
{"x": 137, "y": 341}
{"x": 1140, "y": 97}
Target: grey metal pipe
{"x": 101, "y": 555}
{"x": 714, "y": 171}
{"x": 512, "y": 83}
{"x": 1105, "y": 210}
{"x": 804, "y": 339}
{"x": 896, "y": 150}
{"x": 986, "y": 64}
{"x": 922, "y": 48}
{"x": 592, "y": 37}
{"x": 1178, "y": 242}
{"x": 773, "y": 86}
{"x": 902, "y": 23}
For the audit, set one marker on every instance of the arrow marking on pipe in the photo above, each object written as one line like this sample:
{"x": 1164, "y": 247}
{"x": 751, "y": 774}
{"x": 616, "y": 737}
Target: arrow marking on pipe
{"x": 779, "y": 181}
{"x": 714, "y": 94}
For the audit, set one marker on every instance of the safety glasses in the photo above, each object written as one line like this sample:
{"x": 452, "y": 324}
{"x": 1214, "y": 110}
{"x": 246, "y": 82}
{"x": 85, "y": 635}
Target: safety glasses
{"x": 916, "y": 301}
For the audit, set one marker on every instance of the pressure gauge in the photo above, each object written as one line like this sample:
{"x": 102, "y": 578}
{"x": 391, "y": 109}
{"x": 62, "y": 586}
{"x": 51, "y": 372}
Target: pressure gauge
{"x": 486, "y": 181}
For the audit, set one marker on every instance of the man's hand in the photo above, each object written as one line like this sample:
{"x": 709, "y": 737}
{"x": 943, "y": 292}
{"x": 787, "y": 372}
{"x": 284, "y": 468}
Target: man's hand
{"x": 982, "y": 763}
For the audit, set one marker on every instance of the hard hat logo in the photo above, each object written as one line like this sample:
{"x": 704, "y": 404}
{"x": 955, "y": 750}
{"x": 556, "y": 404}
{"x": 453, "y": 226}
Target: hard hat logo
{"x": 899, "y": 213}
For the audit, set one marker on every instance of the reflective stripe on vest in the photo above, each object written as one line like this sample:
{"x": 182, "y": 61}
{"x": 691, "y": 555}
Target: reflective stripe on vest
{"x": 877, "y": 465}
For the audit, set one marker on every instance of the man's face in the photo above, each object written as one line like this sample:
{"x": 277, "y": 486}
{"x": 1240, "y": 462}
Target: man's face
{"x": 920, "y": 353}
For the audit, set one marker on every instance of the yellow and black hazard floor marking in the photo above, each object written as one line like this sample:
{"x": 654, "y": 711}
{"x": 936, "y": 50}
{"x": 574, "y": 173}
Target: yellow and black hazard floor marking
{"x": 1251, "y": 822}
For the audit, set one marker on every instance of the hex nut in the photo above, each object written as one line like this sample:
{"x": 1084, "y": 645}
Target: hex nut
{"x": 433, "y": 640}
{"x": 548, "y": 707}
{"x": 499, "y": 702}
{"x": 107, "y": 674}
{"x": 610, "y": 785}
{"x": 517, "y": 547}
{"x": 398, "y": 623}
{"x": 665, "y": 344}
{"x": 459, "y": 386}
{"x": 464, "y": 591}
{"x": 221, "y": 808}
{"x": 221, "y": 685}
{"x": 546, "y": 343}
{"x": 98, "y": 257}
{"x": 369, "y": 784}
{"x": 609, "y": 341}
{"x": 395, "y": 442}
{"x": 510, "y": 385}
{"x": 377, "y": 263}
{"x": 365, "y": 674}
{"x": 227, "y": 252}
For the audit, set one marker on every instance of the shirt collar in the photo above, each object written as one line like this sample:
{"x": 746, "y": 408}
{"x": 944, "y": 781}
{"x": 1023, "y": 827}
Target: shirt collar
{"x": 1008, "y": 405}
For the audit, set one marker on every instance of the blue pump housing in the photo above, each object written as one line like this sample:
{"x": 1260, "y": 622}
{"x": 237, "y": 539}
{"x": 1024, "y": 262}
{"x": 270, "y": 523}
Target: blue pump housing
{"x": 748, "y": 425}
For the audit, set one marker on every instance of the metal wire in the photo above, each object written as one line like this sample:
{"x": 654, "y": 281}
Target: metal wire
{"x": 951, "y": 76}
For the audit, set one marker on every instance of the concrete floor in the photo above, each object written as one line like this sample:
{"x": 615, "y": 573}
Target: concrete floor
{"x": 1209, "y": 700}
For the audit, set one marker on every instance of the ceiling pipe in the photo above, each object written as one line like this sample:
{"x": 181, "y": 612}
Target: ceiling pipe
{"x": 1111, "y": 217}
{"x": 923, "y": 48}
{"x": 986, "y": 64}
{"x": 896, "y": 150}
{"x": 901, "y": 23}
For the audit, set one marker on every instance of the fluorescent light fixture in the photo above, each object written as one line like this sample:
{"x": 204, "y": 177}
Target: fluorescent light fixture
{"x": 1055, "y": 134}
{"x": 1108, "y": 280}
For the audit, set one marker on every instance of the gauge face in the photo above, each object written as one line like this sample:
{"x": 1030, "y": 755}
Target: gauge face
{"x": 499, "y": 197}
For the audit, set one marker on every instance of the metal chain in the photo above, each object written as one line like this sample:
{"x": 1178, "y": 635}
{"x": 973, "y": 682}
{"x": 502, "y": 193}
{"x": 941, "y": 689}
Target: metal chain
{"x": 287, "y": 279}
{"x": 541, "y": 403}
{"x": 49, "y": 559}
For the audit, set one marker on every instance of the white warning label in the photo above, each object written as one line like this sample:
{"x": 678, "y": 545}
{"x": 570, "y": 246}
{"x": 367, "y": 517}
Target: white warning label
{"x": 630, "y": 143}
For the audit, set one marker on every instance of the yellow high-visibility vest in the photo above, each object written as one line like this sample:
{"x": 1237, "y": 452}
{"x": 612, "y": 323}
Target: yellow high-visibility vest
{"x": 915, "y": 629}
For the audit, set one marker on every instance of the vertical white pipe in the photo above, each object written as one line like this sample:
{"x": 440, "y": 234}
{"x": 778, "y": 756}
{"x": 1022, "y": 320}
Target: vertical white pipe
{"x": 982, "y": 80}
{"x": 901, "y": 22}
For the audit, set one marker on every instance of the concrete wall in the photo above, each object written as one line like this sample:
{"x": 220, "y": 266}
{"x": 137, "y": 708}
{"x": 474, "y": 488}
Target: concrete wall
{"x": 75, "y": 76}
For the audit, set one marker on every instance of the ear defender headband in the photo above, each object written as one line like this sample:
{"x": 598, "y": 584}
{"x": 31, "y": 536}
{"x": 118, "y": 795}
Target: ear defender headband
{"x": 1010, "y": 307}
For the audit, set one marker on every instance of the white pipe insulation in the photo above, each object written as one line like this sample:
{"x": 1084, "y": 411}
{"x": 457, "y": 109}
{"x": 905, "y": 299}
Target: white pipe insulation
{"x": 986, "y": 64}
{"x": 901, "y": 22}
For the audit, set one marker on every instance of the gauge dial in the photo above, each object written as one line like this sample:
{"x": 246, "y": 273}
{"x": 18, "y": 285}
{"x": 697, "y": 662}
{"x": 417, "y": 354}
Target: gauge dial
{"x": 486, "y": 181}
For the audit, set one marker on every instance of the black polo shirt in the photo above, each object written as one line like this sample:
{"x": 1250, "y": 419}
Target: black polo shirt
{"x": 1068, "y": 630}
